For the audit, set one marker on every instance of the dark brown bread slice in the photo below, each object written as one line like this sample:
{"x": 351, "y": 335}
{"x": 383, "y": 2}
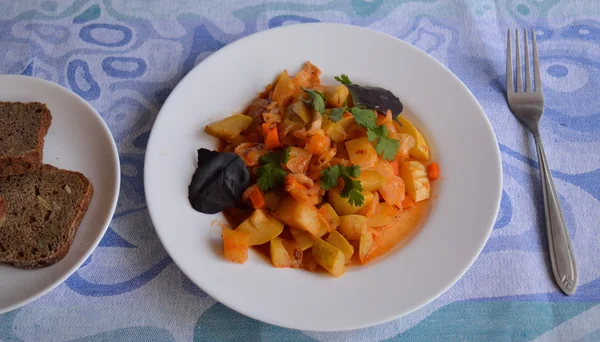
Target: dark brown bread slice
{"x": 2, "y": 210}
{"x": 43, "y": 211}
{"x": 23, "y": 127}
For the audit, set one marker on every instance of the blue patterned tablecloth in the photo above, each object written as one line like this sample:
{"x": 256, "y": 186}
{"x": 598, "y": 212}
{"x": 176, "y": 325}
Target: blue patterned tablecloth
{"x": 125, "y": 56}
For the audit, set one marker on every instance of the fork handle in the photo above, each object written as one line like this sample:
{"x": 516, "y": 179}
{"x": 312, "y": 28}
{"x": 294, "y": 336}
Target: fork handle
{"x": 561, "y": 251}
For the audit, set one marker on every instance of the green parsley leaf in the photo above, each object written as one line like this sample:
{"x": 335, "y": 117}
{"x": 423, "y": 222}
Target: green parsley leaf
{"x": 352, "y": 171}
{"x": 286, "y": 154}
{"x": 385, "y": 146}
{"x": 343, "y": 79}
{"x": 364, "y": 117}
{"x": 316, "y": 100}
{"x": 270, "y": 173}
{"x": 376, "y": 132}
{"x": 337, "y": 114}
{"x": 352, "y": 188}
{"x": 330, "y": 177}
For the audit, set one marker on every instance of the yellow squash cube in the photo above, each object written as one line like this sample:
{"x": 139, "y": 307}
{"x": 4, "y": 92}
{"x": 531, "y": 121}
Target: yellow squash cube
{"x": 332, "y": 220}
{"x": 414, "y": 175}
{"x": 420, "y": 150}
{"x": 304, "y": 239}
{"x": 339, "y": 241}
{"x": 329, "y": 257}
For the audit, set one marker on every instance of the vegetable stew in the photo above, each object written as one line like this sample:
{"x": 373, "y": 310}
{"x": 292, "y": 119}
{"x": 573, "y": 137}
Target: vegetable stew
{"x": 331, "y": 175}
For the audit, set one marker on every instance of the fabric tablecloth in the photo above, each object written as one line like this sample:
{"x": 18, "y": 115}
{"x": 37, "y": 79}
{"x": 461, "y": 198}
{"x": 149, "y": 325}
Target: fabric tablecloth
{"x": 125, "y": 56}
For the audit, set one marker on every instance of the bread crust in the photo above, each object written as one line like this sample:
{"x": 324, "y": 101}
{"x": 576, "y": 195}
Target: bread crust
{"x": 32, "y": 160}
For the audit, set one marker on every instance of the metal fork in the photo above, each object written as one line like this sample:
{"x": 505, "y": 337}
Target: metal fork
{"x": 528, "y": 105}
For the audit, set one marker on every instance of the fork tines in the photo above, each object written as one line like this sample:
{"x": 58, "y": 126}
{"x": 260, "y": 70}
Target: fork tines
{"x": 529, "y": 86}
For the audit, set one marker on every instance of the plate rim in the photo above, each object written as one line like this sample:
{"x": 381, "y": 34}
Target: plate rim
{"x": 396, "y": 40}
{"x": 114, "y": 200}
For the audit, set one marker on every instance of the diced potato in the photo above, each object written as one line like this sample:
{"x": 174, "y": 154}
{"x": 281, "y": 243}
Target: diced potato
{"x": 384, "y": 215}
{"x": 338, "y": 241}
{"x": 338, "y": 131}
{"x": 285, "y": 253}
{"x": 365, "y": 245}
{"x": 371, "y": 180}
{"x": 299, "y": 159}
{"x": 352, "y": 226}
{"x": 261, "y": 226}
{"x": 329, "y": 257}
{"x": 335, "y": 96}
{"x": 235, "y": 245}
{"x": 284, "y": 89}
{"x": 332, "y": 220}
{"x": 342, "y": 206}
{"x": 361, "y": 153}
{"x": 230, "y": 127}
{"x": 272, "y": 198}
{"x": 415, "y": 179}
{"x": 304, "y": 239}
{"x": 299, "y": 215}
{"x": 420, "y": 150}
{"x": 279, "y": 255}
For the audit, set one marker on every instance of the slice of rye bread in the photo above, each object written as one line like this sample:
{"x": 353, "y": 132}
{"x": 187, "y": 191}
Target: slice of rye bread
{"x": 23, "y": 127}
{"x": 43, "y": 211}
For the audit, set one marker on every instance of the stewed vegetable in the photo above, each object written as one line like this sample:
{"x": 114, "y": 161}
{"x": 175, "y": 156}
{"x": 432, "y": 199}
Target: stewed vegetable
{"x": 320, "y": 172}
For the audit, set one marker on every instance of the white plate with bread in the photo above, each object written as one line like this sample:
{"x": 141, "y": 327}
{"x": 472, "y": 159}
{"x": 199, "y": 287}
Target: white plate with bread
{"x": 59, "y": 184}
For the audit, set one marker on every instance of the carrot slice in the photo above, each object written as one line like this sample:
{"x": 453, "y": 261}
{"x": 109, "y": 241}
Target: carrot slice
{"x": 257, "y": 198}
{"x": 433, "y": 171}
{"x": 271, "y": 136}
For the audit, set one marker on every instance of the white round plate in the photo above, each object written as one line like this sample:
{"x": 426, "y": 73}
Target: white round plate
{"x": 462, "y": 216}
{"x": 79, "y": 140}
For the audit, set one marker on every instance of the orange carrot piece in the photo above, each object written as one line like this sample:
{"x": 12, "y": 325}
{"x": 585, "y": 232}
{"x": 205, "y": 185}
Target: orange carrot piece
{"x": 433, "y": 171}
{"x": 408, "y": 202}
{"x": 235, "y": 245}
{"x": 257, "y": 198}
{"x": 271, "y": 136}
